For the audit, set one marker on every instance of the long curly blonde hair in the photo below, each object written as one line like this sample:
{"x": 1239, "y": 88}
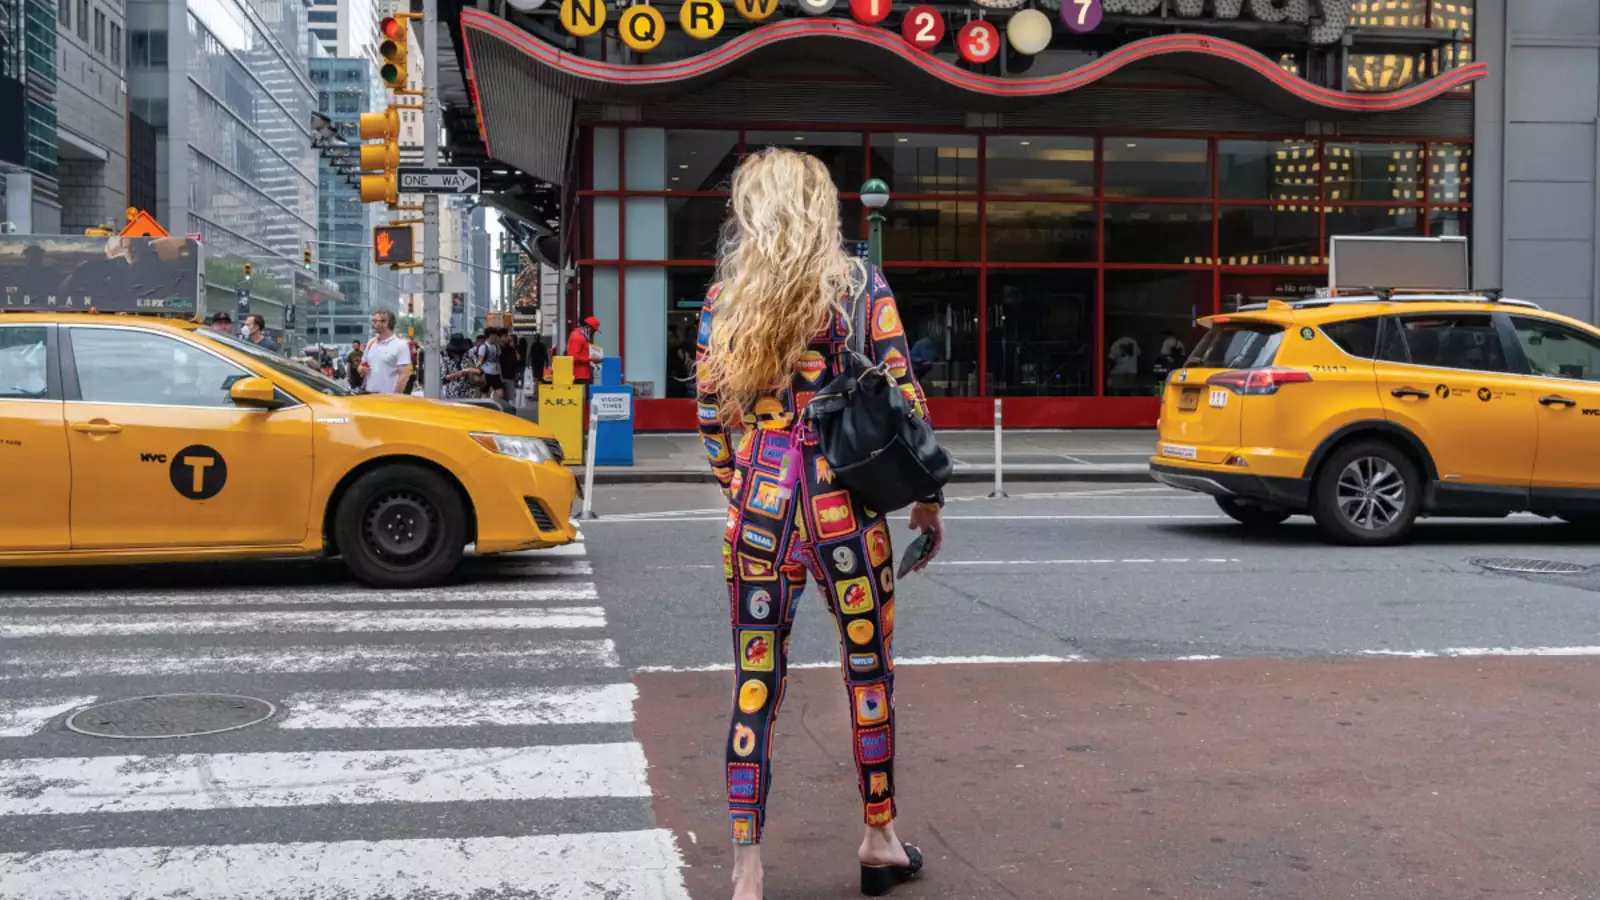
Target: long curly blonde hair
{"x": 783, "y": 274}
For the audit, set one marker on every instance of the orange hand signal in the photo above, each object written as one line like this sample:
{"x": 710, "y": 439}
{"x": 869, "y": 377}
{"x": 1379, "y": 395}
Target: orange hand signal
{"x": 385, "y": 244}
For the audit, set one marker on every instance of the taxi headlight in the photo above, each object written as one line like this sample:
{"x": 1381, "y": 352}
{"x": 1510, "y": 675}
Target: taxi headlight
{"x": 530, "y": 449}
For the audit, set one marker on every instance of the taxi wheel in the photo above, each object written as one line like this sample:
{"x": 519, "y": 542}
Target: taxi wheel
{"x": 401, "y": 526}
{"x": 1367, "y": 493}
{"x": 1250, "y": 515}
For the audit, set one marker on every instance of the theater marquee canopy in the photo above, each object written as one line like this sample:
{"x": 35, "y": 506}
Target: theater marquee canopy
{"x": 528, "y": 72}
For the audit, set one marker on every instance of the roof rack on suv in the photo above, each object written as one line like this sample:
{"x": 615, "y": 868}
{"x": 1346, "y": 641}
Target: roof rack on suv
{"x": 1395, "y": 295}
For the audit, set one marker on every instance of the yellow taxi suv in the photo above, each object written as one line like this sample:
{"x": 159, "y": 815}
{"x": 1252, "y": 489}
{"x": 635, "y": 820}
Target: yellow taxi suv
{"x": 126, "y": 439}
{"x": 1367, "y": 412}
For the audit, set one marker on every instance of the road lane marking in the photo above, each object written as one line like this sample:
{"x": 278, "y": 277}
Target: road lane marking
{"x": 324, "y": 621}
{"x": 478, "y": 594}
{"x": 22, "y": 716}
{"x": 577, "y": 705}
{"x": 1457, "y": 652}
{"x": 34, "y": 662}
{"x": 65, "y": 786}
{"x": 908, "y": 661}
{"x": 638, "y": 865}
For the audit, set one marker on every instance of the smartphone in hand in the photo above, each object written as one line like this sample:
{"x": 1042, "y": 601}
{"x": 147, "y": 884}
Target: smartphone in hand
{"x": 915, "y": 554}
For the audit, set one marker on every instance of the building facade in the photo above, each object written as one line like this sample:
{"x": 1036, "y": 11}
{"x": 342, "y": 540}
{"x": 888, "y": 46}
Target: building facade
{"x": 91, "y": 113}
{"x": 225, "y": 86}
{"x": 1065, "y": 211}
{"x": 346, "y": 28}
{"x": 346, "y": 88}
{"x": 28, "y": 154}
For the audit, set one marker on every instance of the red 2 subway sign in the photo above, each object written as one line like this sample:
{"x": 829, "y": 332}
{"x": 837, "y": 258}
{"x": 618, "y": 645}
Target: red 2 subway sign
{"x": 869, "y": 12}
{"x": 923, "y": 27}
{"x": 978, "y": 42}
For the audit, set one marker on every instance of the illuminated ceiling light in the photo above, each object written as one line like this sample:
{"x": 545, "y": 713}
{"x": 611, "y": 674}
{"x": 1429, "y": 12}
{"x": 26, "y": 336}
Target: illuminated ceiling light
{"x": 1131, "y": 144}
{"x": 903, "y": 140}
{"x": 1025, "y": 143}
{"x": 683, "y": 165}
{"x": 799, "y": 137}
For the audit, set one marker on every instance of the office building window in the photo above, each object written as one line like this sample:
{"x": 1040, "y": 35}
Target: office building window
{"x": 99, "y": 32}
{"x": 83, "y": 19}
{"x": 116, "y": 45}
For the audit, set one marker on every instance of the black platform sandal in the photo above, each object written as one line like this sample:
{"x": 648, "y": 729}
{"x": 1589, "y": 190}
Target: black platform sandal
{"x": 879, "y": 880}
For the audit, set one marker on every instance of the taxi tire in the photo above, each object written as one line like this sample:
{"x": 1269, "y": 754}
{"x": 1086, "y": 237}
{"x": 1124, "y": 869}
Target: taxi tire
{"x": 1335, "y": 526}
{"x": 447, "y": 547}
{"x": 1251, "y": 515}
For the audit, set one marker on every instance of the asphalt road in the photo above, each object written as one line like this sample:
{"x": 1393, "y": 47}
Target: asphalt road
{"x": 1104, "y": 691}
{"x": 1111, "y": 572}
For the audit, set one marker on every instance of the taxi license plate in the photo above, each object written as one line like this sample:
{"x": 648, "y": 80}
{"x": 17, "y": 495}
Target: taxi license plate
{"x": 1189, "y": 400}
{"x": 1178, "y": 451}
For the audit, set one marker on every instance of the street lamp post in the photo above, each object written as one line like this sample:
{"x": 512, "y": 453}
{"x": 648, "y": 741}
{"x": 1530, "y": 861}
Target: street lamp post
{"x": 875, "y": 196}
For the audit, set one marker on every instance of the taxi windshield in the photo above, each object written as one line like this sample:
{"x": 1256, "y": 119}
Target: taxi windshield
{"x": 302, "y": 374}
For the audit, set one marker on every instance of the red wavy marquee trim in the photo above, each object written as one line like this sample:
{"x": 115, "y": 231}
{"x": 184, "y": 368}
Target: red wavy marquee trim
{"x": 754, "y": 40}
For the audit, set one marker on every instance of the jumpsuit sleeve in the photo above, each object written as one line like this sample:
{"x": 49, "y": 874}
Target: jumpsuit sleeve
{"x": 891, "y": 350}
{"x": 714, "y": 436}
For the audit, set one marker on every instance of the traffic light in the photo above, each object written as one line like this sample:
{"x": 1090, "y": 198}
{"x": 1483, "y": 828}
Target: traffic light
{"x": 249, "y": 270}
{"x": 393, "y": 245}
{"x": 382, "y": 158}
{"x": 393, "y": 51}
{"x": 308, "y": 256}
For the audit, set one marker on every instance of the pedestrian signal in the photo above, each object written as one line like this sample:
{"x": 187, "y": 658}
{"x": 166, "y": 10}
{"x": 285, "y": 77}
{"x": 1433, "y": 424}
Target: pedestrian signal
{"x": 393, "y": 50}
{"x": 393, "y": 245}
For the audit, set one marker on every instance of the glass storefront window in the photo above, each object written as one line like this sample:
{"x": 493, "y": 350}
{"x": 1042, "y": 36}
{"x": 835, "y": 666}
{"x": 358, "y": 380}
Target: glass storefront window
{"x": 693, "y": 226}
{"x": 930, "y": 231}
{"x": 686, "y": 291}
{"x": 1457, "y": 14}
{"x": 1380, "y": 172}
{"x": 1041, "y": 332}
{"x": 842, "y": 151}
{"x": 1269, "y": 236}
{"x": 1378, "y": 73}
{"x": 1041, "y": 232}
{"x": 1387, "y": 221}
{"x": 925, "y": 163}
{"x": 1158, "y": 233}
{"x": 1268, "y": 170}
{"x": 1024, "y": 164}
{"x": 1449, "y": 173}
{"x": 1156, "y": 167}
{"x": 1450, "y": 223}
{"x": 939, "y": 310}
{"x": 701, "y": 160}
{"x": 1389, "y": 13}
{"x": 1150, "y": 326}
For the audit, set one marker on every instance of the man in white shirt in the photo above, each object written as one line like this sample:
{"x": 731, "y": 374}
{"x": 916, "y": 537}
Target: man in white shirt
{"x": 386, "y": 361}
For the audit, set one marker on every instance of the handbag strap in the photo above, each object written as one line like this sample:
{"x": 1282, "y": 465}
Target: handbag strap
{"x": 858, "y": 310}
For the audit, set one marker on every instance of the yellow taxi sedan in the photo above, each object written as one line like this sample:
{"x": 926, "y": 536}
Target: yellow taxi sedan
{"x": 126, "y": 439}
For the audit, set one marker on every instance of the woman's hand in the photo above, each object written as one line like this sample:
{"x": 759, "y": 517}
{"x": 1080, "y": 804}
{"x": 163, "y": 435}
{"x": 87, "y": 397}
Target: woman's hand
{"x": 929, "y": 518}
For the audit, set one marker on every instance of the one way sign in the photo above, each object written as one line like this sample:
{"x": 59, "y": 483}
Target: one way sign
{"x": 445, "y": 180}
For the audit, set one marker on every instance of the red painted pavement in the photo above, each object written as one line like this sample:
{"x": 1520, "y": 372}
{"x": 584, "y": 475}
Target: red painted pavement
{"x": 1238, "y": 779}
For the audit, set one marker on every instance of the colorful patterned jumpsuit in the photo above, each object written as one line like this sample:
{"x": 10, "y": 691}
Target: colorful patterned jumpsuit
{"x": 787, "y": 517}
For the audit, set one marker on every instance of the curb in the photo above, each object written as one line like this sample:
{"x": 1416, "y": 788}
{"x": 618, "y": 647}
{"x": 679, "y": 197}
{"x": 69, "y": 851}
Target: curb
{"x": 1122, "y": 474}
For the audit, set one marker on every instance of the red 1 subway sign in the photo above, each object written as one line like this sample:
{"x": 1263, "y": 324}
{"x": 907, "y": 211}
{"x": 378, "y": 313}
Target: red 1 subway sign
{"x": 869, "y": 12}
{"x": 923, "y": 27}
{"x": 978, "y": 42}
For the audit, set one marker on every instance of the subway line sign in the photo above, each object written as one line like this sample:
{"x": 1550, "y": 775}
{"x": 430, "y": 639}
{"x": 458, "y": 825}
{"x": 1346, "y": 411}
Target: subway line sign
{"x": 643, "y": 27}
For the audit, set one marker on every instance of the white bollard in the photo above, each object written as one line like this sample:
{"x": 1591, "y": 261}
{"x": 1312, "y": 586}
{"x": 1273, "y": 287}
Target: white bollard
{"x": 999, "y": 492}
{"x": 588, "y": 513}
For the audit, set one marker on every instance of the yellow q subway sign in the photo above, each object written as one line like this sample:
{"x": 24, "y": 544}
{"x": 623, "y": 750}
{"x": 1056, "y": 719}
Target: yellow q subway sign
{"x": 642, "y": 27}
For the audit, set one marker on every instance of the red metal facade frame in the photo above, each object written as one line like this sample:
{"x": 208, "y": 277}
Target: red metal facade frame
{"x": 1097, "y": 410}
{"x": 1248, "y": 61}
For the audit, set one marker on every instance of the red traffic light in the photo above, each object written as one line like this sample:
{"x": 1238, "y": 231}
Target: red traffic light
{"x": 391, "y": 27}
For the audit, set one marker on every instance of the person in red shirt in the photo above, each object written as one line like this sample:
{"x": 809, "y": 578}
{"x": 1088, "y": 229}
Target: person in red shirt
{"x": 578, "y": 347}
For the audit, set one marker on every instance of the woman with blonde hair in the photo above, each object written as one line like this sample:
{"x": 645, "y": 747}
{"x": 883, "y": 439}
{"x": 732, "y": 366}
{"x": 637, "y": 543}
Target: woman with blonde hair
{"x": 773, "y": 331}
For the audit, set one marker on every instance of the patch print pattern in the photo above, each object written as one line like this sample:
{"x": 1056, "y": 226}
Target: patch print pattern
{"x": 789, "y": 518}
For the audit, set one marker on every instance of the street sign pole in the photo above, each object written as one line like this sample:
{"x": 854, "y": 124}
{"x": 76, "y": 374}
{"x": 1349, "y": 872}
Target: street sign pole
{"x": 430, "y": 203}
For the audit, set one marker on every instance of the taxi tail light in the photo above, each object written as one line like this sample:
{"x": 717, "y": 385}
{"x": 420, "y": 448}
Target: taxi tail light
{"x": 1247, "y": 382}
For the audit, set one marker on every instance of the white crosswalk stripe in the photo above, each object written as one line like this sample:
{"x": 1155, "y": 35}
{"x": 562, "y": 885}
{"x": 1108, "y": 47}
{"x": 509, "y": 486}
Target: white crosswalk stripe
{"x": 503, "y": 693}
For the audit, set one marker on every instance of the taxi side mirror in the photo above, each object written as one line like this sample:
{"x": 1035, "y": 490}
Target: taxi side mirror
{"x": 256, "y": 393}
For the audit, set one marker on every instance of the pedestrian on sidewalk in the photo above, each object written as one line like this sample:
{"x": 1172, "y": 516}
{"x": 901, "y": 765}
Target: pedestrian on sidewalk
{"x": 779, "y": 315}
{"x": 386, "y": 360}
{"x": 580, "y": 346}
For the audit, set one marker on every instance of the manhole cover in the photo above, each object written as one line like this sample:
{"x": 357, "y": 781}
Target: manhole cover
{"x": 1529, "y": 566}
{"x": 170, "y": 716}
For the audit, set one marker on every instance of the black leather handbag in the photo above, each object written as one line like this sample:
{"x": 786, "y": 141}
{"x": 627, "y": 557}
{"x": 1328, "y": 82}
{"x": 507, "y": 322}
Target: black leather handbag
{"x": 876, "y": 444}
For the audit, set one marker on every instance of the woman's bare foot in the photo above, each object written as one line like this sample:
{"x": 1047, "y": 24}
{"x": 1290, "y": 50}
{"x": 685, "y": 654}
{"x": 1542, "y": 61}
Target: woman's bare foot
{"x": 749, "y": 879}
{"x": 881, "y": 847}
